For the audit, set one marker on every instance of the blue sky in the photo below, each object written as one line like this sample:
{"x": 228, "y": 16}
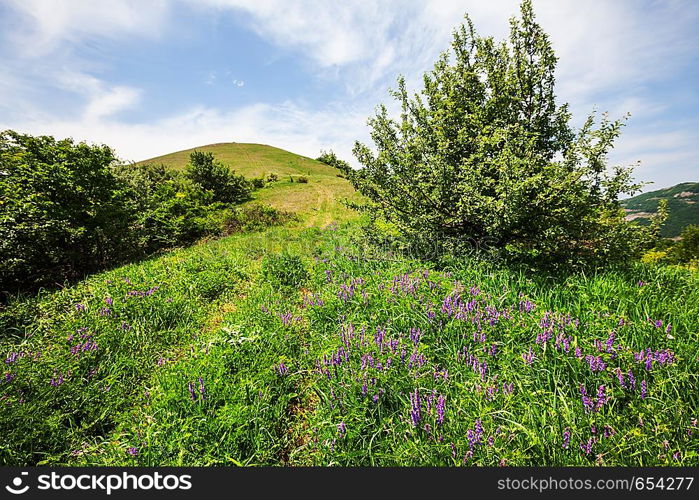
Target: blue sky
{"x": 153, "y": 76}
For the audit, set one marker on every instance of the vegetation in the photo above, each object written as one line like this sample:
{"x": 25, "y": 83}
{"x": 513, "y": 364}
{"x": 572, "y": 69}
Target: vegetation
{"x": 294, "y": 339}
{"x": 484, "y": 156}
{"x": 683, "y": 207}
{"x": 199, "y": 357}
{"x": 69, "y": 209}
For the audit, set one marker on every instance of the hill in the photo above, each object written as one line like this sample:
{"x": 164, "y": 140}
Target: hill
{"x": 683, "y": 202}
{"x": 318, "y": 202}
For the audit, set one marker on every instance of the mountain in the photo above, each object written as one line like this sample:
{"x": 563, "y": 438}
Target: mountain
{"x": 318, "y": 202}
{"x": 683, "y": 202}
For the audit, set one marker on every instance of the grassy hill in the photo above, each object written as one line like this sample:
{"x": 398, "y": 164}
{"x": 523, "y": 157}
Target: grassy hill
{"x": 317, "y": 202}
{"x": 683, "y": 202}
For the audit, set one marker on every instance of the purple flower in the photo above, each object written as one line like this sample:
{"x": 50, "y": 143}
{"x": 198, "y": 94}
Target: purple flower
{"x": 566, "y": 438}
{"x": 79, "y": 307}
{"x": 441, "y": 401}
{"x": 132, "y": 451}
{"x": 202, "y": 390}
{"x": 644, "y": 389}
{"x": 109, "y": 301}
{"x": 596, "y": 363}
{"x": 415, "y": 408}
{"x": 282, "y": 369}
{"x": 14, "y": 356}
{"x": 587, "y": 447}
{"x": 192, "y": 391}
{"x": 341, "y": 430}
{"x": 528, "y": 357}
{"x": 415, "y": 335}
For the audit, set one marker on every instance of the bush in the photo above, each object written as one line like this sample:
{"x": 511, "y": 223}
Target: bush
{"x": 272, "y": 177}
{"x": 254, "y": 218}
{"x": 214, "y": 176}
{"x": 284, "y": 270}
{"x": 63, "y": 212}
{"x": 687, "y": 248}
{"x": 484, "y": 154}
{"x": 302, "y": 179}
{"x": 329, "y": 158}
{"x": 257, "y": 182}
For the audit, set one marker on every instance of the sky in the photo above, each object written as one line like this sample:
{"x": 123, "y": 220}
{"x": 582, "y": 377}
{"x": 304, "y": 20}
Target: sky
{"x": 149, "y": 77}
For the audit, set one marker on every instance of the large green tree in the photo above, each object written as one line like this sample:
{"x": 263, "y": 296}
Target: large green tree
{"x": 485, "y": 155}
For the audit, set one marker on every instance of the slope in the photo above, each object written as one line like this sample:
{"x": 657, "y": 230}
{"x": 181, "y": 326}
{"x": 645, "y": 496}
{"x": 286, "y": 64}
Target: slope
{"x": 682, "y": 201}
{"x": 318, "y": 202}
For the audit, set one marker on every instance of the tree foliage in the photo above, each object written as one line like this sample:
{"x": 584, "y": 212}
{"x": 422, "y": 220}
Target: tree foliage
{"x": 212, "y": 175}
{"x": 485, "y": 155}
{"x": 62, "y": 211}
{"x": 67, "y": 209}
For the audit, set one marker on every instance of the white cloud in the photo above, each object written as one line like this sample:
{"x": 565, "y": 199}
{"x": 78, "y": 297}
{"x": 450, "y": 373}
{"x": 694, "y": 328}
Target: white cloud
{"x": 45, "y": 26}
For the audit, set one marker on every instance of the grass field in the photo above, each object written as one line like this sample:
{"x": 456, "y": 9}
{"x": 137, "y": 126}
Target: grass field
{"x": 318, "y": 202}
{"x": 286, "y": 347}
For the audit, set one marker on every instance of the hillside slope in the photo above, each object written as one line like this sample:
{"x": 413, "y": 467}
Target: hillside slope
{"x": 318, "y": 202}
{"x": 683, "y": 202}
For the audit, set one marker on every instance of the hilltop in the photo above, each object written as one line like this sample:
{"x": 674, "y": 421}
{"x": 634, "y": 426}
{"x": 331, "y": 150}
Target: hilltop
{"x": 318, "y": 202}
{"x": 682, "y": 201}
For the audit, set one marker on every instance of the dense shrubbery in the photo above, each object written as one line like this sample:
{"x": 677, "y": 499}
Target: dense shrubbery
{"x": 484, "y": 156}
{"x": 68, "y": 208}
{"x": 62, "y": 210}
{"x": 213, "y": 176}
{"x": 330, "y": 158}
{"x": 683, "y": 252}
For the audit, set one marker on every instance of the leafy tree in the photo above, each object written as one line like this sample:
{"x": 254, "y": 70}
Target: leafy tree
{"x": 483, "y": 153}
{"x": 687, "y": 248}
{"x": 330, "y": 158}
{"x": 214, "y": 176}
{"x": 62, "y": 210}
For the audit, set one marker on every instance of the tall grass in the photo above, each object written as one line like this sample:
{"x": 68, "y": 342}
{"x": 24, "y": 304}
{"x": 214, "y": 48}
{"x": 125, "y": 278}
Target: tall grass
{"x": 282, "y": 348}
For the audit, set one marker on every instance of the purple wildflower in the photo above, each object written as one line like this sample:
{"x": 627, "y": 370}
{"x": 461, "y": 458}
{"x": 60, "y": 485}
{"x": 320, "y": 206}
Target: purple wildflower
{"x": 441, "y": 400}
{"x": 566, "y": 438}
{"x": 528, "y": 357}
{"x": 132, "y": 451}
{"x": 341, "y": 430}
{"x": 282, "y": 369}
{"x": 192, "y": 391}
{"x": 415, "y": 408}
{"x": 644, "y": 389}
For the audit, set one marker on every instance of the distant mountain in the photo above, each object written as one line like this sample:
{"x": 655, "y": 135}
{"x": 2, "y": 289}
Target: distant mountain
{"x": 683, "y": 202}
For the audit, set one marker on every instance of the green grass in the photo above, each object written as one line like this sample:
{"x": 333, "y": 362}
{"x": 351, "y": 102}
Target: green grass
{"x": 230, "y": 361}
{"x": 318, "y": 202}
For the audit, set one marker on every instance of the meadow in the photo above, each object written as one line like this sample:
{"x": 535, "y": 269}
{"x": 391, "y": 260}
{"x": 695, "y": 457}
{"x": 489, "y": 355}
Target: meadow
{"x": 291, "y": 347}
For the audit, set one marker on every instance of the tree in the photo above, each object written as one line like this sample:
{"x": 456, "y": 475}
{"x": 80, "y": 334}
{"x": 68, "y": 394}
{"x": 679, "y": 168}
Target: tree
{"x": 331, "y": 159}
{"x": 214, "y": 176}
{"x": 483, "y": 153}
{"x": 62, "y": 210}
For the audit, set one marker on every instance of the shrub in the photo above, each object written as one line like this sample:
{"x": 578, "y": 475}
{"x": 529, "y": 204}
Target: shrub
{"x": 485, "y": 154}
{"x": 63, "y": 212}
{"x": 284, "y": 270}
{"x": 302, "y": 179}
{"x": 329, "y": 158}
{"x": 257, "y": 182}
{"x": 254, "y": 218}
{"x": 272, "y": 177}
{"x": 214, "y": 176}
{"x": 687, "y": 248}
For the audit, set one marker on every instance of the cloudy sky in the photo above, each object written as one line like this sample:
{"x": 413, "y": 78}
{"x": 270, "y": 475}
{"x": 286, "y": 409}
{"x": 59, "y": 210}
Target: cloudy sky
{"x": 153, "y": 76}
